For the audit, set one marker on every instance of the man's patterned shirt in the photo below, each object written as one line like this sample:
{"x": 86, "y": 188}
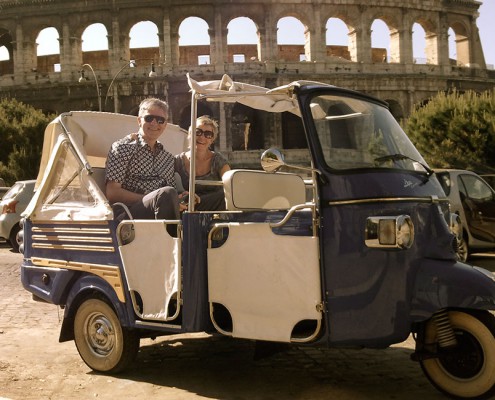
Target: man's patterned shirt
{"x": 132, "y": 164}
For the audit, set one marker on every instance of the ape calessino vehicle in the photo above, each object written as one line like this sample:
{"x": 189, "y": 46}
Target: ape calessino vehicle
{"x": 353, "y": 245}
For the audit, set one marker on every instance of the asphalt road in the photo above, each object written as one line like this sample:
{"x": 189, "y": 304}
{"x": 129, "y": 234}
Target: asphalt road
{"x": 33, "y": 365}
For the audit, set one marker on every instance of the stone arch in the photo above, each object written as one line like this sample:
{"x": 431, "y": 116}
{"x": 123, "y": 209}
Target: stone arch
{"x": 431, "y": 40}
{"x": 201, "y": 54}
{"x": 334, "y": 41}
{"x": 97, "y": 58}
{"x": 248, "y": 49}
{"x": 7, "y": 62}
{"x": 462, "y": 42}
{"x": 393, "y": 53}
{"x": 185, "y": 114}
{"x": 292, "y": 51}
{"x": 396, "y": 109}
{"x": 47, "y": 62}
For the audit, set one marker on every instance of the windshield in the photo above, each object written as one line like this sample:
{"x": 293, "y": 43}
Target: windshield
{"x": 354, "y": 134}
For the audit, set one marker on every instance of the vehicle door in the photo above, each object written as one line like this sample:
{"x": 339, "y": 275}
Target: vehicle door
{"x": 478, "y": 202}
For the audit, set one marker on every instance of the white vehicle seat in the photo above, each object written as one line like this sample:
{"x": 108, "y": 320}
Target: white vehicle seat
{"x": 258, "y": 190}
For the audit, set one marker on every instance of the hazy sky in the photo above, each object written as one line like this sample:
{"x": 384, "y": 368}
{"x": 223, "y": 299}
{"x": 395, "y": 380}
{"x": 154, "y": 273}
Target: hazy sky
{"x": 486, "y": 25}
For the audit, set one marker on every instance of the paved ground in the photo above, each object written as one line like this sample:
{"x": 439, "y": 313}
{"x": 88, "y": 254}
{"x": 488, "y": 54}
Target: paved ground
{"x": 33, "y": 365}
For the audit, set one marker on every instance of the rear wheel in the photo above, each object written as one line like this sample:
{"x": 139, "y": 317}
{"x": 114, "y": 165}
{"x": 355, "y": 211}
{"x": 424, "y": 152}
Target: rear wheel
{"x": 103, "y": 344}
{"x": 13, "y": 237}
{"x": 467, "y": 370}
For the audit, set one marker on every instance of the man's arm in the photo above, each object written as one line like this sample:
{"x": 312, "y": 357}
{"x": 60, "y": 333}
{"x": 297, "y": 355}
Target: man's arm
{"x": 115, "y": 193}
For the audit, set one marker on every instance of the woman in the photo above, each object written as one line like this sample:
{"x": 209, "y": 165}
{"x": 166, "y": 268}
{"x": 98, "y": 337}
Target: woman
{"x": 210, "y": 165}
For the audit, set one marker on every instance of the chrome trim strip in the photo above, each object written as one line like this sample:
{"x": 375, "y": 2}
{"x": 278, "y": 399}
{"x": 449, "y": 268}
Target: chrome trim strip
{"x": 145, "y": 323}
{"x": 84, "y": 239}
{"x": 109, "y": 273}
{"x": 432, "y": 199}
{"x": 57, "y": 229}
{"x": 107, "y": 249}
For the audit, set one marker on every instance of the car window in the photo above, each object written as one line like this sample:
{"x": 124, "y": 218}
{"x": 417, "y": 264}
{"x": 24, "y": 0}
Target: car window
{"x": 444, "y": 179}
{"x": 476, "y": 188}
{"x": 13, "y": 191}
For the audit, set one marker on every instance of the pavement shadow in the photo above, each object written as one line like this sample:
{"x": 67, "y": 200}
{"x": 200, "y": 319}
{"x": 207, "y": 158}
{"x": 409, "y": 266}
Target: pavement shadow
{"x": 224, "y": 368}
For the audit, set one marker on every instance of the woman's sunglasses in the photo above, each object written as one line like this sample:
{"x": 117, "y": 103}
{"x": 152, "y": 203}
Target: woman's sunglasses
{"x": 157, "y": 118}
{"x": 206, "y": 134}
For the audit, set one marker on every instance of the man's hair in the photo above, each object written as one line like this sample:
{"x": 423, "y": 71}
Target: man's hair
{"x": 148, "y": 103}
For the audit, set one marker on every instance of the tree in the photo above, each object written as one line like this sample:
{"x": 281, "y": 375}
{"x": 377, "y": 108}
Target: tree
{"x": 456, "y": 130}
{"x": 21, "y": 135}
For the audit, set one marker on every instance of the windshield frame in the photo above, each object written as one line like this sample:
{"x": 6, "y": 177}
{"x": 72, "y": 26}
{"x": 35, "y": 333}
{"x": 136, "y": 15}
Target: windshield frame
{"x": 399, "y": 153}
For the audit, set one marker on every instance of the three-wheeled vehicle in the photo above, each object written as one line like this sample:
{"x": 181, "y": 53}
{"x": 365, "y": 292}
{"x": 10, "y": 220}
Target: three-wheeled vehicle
{"x": 352, "y": 245}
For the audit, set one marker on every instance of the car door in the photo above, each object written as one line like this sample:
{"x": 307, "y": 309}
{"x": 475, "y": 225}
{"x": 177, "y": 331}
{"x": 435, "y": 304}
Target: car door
{"x": 478, "y": 202}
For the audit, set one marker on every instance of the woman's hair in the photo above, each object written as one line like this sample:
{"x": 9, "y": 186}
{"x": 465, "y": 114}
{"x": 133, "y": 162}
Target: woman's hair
{"x": 207, "y": 120}
{"x": 148, "y": 103}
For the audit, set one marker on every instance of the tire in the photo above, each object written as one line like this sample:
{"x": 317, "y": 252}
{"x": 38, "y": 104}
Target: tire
{"x": 101, "y": 341}
{"x": 467, "y": 371}
{"x": 13, "y": 237}
{"x": 462, "y": 249}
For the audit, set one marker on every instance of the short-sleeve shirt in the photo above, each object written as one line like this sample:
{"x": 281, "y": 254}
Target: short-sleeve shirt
{"x": 131, "y": 163}
{"x": 217, "y": 163}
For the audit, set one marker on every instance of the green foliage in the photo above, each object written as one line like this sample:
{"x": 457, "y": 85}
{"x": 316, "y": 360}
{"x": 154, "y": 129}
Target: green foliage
{"x": 21, "y": 135}
{"x": 456, "y": 130}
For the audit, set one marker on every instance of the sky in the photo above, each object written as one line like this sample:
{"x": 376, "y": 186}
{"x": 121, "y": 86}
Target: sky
{"x": 290, "y": 32}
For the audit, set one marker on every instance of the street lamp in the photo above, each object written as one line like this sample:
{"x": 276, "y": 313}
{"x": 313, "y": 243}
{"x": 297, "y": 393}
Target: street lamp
{"x": 83, "y": 78}
{"x": 130, "y": 64}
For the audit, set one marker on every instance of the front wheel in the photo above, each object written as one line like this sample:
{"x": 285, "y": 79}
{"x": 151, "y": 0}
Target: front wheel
{"x": 103, "y": 344}
{"x": 462, "y": 249}
{"x": 467, "y": 370}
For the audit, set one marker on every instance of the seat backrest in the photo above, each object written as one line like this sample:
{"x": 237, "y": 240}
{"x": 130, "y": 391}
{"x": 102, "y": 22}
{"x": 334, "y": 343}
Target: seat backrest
{"x": 258, "y": 190}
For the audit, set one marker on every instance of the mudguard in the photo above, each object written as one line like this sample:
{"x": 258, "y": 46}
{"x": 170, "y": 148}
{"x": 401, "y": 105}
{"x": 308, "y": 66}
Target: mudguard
{"x": 90, "y": 286}
{"x": 441, "y": 284}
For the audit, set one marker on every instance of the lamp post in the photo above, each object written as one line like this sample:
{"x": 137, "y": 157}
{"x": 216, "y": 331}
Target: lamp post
{"x": 130, "y": 63}
{"x": 83, "y": 78}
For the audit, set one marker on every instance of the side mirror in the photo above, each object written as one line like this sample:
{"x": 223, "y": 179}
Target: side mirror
{"x": 272, "y": 160}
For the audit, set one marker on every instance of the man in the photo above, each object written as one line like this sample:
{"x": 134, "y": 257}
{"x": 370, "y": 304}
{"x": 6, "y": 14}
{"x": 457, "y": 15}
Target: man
{"x": 140, "y": 171}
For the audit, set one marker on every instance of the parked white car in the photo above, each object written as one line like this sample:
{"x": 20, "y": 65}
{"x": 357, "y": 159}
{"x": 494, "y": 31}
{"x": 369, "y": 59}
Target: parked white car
{"x": 473, "y": 199}
{"x": 12, "y": 205}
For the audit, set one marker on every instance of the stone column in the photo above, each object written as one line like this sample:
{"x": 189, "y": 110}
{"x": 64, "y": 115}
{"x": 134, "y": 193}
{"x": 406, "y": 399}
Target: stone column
{"x": 443, "y": 41}
{"x": 18, "y": 55}
{"x": 315, "y": 38}
{"x": 477, "y": 55}
{"x": 218, "y": 43}
{"x": 166, "y": 45}
{"x": 70, "y": 54}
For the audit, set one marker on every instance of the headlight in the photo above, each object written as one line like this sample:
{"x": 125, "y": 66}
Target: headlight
{"x": 389, "y": 232}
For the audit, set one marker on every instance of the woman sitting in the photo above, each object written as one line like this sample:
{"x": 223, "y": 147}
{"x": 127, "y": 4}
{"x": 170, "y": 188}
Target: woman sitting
{"x": 209, "y": 165}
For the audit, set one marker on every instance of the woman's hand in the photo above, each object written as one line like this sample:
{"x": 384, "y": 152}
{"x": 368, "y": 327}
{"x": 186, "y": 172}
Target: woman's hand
{"x": 184, "y": 200}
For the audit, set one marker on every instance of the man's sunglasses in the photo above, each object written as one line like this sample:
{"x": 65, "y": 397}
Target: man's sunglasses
{"x": 206, "y": 134}
{"x": 157, "y": 118}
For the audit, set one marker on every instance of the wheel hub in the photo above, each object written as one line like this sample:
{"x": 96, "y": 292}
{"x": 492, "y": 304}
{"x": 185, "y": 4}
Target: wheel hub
{"x": 466, "y": 360}
{"x": 100, "y": 334}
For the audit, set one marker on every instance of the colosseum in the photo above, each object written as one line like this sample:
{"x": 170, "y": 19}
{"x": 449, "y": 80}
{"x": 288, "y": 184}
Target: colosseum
{"x": 116, "y": 79}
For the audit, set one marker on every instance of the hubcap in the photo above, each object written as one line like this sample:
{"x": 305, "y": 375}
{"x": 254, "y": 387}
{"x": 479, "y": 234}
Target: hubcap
{"x": 466, "y": 360}
{"x": 100, "y": 334}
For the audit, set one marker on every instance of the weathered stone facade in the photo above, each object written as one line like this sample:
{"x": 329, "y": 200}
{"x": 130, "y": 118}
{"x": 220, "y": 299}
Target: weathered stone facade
{"x": 400, "y": 81}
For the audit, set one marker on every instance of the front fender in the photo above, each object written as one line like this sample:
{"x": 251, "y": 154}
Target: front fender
{"x": 90, "y": 286}
{"x": 441, "y": 284}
